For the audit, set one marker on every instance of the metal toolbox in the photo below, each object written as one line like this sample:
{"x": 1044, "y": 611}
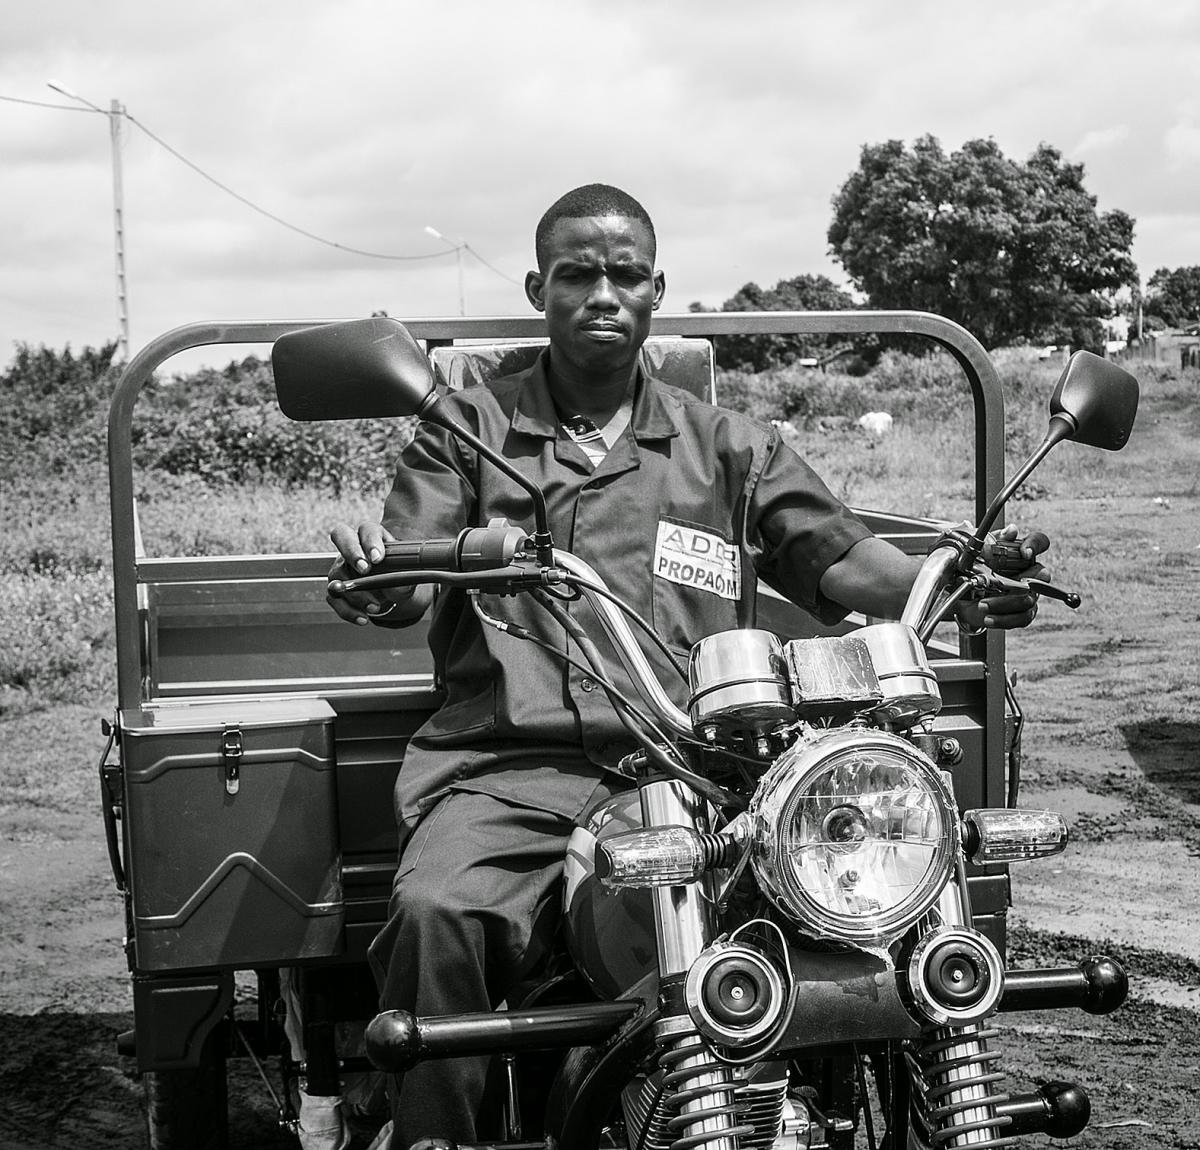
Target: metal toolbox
{"x": 230, "y": 812}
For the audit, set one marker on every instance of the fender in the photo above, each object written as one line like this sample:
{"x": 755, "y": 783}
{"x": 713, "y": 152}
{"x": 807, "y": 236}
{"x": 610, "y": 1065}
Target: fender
{"x": 591, "y": 1078}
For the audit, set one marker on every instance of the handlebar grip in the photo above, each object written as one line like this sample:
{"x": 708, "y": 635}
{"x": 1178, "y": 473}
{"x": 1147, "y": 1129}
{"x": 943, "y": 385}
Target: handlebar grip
{"x": 1006, "y": 557}
{"x": 418, "y": 555}
{"x": 472, "y": 549}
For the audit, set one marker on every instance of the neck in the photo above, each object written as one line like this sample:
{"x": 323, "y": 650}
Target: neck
{"x": 582, "y": 393}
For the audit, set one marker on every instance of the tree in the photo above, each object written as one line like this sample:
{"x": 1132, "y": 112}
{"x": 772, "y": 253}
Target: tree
{"x": 1011, "y": 251}
{"x": 800, "y": 293}
{"x": 1174, "y": 295}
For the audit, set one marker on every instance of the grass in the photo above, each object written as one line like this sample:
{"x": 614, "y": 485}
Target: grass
{"x": 58, "y": 597}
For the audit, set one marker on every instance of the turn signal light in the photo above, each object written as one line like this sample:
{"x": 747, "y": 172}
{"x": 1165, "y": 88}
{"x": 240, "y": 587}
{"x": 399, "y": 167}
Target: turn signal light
{"x": 662, "y": 856}
{"x": 1002, "y": 835}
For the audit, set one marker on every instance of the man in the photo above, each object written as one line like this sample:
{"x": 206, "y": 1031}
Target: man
{"x": 492, "y": 784}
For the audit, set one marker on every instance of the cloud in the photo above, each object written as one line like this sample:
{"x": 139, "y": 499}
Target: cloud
{"x": 1101, "y": 139}
{"x": 362, "y": 122}
{"x": 1181, "y": 141}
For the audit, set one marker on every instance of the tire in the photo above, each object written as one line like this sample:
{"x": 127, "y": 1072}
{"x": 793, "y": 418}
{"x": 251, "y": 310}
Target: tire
{"x": 187, "y": 1109}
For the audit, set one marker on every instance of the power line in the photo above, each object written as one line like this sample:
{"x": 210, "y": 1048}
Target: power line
{"x": 271, "y": 215}
{"x": 492, "y": 267}
{"x": 263, "y": 211}
{"x": 44, "y": 104}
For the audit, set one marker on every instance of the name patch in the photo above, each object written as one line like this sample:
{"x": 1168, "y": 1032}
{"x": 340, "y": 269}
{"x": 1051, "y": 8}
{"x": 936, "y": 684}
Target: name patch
{"x": 695, "y": 558}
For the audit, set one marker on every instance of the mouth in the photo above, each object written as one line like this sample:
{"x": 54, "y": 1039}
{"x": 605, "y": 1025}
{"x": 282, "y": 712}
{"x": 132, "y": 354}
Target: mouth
{"x": 602, "y": 331}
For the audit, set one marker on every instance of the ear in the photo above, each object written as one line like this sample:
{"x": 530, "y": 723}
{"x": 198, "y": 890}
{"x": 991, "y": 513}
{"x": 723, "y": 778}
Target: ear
{"x": 660, "y": 288}
{"x": 535, "y": 290}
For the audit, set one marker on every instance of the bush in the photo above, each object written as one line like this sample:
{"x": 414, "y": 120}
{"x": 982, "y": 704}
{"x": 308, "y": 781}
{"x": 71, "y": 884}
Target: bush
{"x": 222, "y": 426}
{"x": 924, "y": 386}
{"x": 58, "y": 640}
{"x": 54, "y": 406}
{"x": 226, "y": 428}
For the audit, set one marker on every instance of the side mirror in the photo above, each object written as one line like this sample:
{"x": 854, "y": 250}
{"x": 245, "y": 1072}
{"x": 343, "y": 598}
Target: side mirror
{"x": 358, "y": 369}
{"x": 1098, "y": 399}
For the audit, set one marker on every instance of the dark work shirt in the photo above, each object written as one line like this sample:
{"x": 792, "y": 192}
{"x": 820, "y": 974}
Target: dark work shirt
{"x": 688, "y": 508}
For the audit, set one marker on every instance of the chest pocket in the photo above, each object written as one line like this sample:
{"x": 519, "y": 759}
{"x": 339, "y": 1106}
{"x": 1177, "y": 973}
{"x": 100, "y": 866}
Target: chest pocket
{"x": 696, "y": 580}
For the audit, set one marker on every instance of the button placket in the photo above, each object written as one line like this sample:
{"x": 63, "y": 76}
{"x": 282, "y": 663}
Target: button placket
{"x": 593, "y": 521}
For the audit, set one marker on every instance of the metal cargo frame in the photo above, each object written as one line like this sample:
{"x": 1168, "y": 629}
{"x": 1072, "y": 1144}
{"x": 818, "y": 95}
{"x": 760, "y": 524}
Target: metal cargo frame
{"x": 130, "y": 570}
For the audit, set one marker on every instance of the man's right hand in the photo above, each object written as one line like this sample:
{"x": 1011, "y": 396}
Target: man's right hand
{"x": 361, "y": 548}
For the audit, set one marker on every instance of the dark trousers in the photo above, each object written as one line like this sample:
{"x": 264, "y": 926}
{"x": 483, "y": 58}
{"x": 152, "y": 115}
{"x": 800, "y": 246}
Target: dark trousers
{"x": 475, "y": 904}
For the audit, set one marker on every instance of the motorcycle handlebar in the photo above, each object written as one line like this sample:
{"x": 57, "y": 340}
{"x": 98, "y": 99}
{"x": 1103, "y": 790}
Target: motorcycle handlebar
{"x": 938, "y": 572}
{"x": 473, "y": 549}
{"x": 478, "y": 559}
{"x": 501, "y": 579}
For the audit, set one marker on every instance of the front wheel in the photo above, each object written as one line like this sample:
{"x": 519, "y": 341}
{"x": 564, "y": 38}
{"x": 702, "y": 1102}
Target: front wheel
{"x": 187, "y": 1109}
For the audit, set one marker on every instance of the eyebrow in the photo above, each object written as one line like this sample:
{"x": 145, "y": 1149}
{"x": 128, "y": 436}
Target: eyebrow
{"x": 591, "y": 261}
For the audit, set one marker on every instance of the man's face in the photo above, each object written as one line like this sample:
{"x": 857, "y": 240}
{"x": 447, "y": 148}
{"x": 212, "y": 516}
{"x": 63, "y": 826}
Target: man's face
{"x": 598, "y": 287}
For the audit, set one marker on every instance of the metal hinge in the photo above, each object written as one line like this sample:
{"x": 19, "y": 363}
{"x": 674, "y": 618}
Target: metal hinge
{"x": 231, "y": 756}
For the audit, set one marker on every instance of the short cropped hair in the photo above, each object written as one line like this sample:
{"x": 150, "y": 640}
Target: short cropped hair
{"x": 589, "y": 200}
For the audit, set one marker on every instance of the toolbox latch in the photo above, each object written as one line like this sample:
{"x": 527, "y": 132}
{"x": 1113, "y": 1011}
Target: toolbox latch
{"x": 231, "y": 756}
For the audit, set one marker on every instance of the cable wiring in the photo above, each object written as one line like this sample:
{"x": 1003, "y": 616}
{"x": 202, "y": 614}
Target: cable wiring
{"x": 271, "y": 215}
{"x": 47, "y": 104}
{"x": 627, "y": 608}
{"x": 391, "y": 256}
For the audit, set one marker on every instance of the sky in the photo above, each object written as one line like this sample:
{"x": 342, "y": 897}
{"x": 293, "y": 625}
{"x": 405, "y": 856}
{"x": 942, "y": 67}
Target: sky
{"x": 365, "y": 122}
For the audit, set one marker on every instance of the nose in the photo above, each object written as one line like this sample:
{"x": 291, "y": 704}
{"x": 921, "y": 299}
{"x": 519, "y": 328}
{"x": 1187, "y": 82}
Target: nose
{"x": 603, "y": 296}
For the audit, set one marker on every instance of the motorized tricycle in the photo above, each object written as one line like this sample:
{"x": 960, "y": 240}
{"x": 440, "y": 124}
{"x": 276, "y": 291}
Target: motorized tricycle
{"x": 790, "y": 933}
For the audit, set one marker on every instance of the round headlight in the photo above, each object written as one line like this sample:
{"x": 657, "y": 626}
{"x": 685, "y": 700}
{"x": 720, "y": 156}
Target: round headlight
{"x": 854, "y": 834}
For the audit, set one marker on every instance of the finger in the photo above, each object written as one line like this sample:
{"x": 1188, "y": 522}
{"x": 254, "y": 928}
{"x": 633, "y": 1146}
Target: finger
{"x": 1007, "y": 604}
{"x": 345, "y": 609}
{"x": 346, "y": 539}
{"x": 1009, "y": 532}
{"x": 371, "y": 538}
{"x": 1034, "y": 544}
{"x": 1006, "y": 611}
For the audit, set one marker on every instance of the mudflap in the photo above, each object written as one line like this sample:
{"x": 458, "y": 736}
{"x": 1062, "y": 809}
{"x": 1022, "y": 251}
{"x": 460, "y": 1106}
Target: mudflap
{"x": 174, "y": 1015}
{"x": 589, "y": 1083}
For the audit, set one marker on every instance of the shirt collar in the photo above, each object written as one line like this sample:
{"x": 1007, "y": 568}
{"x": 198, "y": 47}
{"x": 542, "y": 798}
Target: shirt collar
{"x": 535, "y": 413}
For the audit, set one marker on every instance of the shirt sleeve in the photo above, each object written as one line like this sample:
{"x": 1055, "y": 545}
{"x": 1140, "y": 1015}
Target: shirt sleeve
{"x": 433, "y": 494}
{"x": 797, "y": 529}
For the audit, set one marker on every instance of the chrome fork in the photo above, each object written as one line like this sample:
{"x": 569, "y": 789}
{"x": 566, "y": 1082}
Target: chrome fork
{"x": 955, "y": 1073}
{"x": 699, "y": 1089}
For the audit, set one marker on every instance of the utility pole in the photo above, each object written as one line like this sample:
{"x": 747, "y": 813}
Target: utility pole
{"x": 116, "y": 115}
{"x": 462, "y": 299}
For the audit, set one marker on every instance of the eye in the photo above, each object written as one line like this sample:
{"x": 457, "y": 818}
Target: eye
{"x": 630, "y": 276}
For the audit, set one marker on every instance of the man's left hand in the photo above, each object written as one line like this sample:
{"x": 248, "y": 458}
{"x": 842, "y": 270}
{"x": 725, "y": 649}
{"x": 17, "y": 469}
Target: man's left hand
{"x": 1008, "y": 611}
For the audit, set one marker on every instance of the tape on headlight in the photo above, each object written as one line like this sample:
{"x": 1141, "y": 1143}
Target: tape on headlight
{"x": 854, "y": 834}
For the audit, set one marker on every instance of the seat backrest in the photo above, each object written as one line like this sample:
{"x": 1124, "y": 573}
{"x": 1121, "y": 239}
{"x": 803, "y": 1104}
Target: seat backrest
{"x": 682, "y": 362}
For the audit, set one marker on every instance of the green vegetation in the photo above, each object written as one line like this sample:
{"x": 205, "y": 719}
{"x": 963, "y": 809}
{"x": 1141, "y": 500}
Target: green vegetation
{"x": 1173, "y": 296}
{"x": 220, "y": 471}
{"x": 1012, "y": 251}
{"x": 760, "y": 352}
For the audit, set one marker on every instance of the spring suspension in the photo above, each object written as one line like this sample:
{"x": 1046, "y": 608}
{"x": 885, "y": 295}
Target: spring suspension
{"x": 698, "y": 1090}
{"x": 955, "y": 1079}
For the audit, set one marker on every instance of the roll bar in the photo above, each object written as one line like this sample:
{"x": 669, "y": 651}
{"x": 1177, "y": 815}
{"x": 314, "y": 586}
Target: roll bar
{"x": 956, "y": 340}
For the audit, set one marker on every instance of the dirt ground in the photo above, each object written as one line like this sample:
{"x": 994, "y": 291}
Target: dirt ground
{"x": 1112, "y": 696}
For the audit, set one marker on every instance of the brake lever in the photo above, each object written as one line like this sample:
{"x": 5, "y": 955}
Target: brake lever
{"x": 1000, "y": 584}
{"x": 1039, "y": 587}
